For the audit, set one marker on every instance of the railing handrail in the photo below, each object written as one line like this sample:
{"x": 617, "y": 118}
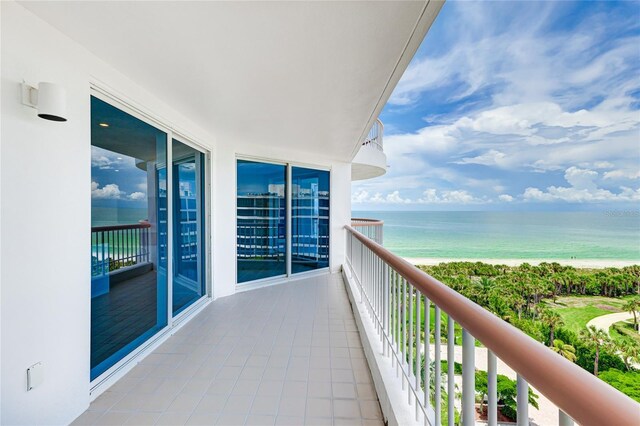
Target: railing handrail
{"x": 584, "y": 397}
{"x": 360, "y": 221}
{"x": 141, "y": 225}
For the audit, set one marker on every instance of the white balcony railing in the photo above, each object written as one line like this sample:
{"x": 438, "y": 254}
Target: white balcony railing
{"x": 374, "y": 138}
{"x": 394, "y": 293}
{"x": 371, "y": 228}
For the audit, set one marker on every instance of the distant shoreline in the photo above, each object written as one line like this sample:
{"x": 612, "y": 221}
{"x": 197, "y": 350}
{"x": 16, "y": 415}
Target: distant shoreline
{"x": 576, "y": 263}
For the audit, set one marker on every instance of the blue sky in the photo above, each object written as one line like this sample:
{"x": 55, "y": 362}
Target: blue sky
{"x": 516, "y": 105}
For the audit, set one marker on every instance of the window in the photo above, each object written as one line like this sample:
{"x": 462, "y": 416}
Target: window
{"x": 261, "y": 220}
{"x": 310, "y": 219}
{"x": 188, "y": 224}
{"x": 148, "y": 236}
{"x": 128, "y": 234}
{"x": 262, "y": 223}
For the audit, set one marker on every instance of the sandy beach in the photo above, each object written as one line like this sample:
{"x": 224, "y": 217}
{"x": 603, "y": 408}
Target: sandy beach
{"x": 576, "y": 263}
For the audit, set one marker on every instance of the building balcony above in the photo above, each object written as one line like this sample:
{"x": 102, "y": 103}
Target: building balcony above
{"x": 370, "y": 161}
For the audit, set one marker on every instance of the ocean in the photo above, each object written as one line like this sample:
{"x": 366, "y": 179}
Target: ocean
{"x": 608, "y": 235}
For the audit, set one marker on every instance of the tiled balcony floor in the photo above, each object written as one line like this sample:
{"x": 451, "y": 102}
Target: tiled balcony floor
{"x": 288, "y": 354}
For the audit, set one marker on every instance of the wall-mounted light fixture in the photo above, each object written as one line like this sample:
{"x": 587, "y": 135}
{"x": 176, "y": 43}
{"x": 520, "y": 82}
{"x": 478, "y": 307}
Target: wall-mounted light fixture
{"x": 49, "y": 99}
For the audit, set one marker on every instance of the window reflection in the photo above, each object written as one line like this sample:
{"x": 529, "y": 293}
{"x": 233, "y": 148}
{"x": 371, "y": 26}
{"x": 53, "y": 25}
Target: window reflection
{"x": 128, "y": 234}
{"x": 309, "y": 219}
{"x": 261, "y": 220}
{"x": 189, "y": 244}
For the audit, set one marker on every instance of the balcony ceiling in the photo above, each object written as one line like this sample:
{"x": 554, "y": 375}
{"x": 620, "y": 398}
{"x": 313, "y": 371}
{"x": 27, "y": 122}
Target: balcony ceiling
{"x": 303, "y": 76}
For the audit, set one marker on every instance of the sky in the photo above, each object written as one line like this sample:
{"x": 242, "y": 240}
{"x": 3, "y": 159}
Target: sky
{"x": 116, "y": 181}
{"x": 516, "y": 106}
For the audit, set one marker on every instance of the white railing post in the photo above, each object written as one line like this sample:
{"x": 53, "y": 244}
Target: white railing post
{"x": 522, "y": 400}
{"x": 468, "y": 379}
{"x": 564, "y": 419}
{"x": 451, "y": 385}
{"x": 387, "y": 331}
{"x": 410, "y": 346}
{"x": 418, "y": 349}
{"x": 403, "y": 346}
{"x": 492, "y": 389}
{"x": 438, "y": 368}
{"x": 427, "y": 360}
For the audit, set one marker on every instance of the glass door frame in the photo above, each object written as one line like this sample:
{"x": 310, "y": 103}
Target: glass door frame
{"x": 97, "y": 385}
{"x": 262, "y": 282}
{"x": 208, "y": 290}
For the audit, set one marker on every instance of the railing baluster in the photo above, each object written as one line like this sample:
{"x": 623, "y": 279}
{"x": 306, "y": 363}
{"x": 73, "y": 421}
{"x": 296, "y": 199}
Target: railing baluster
{"x": 438, "y": 367}
{"x": 522, "y": 399}
{"x": 468, "y": 379}
{"x": 385, "y": 292}
{"x": 403, "y": 347}
{"x": 399, "y": 323}
{"x": 451, "y": 385}
{"x": 418, "y": 350}
{"x": 492, "y": 389}
{"x": 564, "y": 419}
{"x": 427, "y": 361}
{"x": 410, "y": 346}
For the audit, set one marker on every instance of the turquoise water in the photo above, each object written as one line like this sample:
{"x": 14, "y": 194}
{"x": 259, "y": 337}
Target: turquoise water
{"x": 613, "y": 235}
{"x": 109, "y": 216}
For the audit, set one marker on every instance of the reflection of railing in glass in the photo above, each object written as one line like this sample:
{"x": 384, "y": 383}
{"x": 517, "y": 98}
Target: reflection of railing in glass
{"x": 114, "y": 247}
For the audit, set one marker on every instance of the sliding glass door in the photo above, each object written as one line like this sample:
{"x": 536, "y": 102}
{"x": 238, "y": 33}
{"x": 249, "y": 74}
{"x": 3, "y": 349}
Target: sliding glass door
{"x": 309, "y": 219}
{"x": 188, "y": 225}
{"x": 261, "y": 220}
{"x": 128, "y": 234}
{"x": 134, "y": 213}
{"x": 263, "y": 248}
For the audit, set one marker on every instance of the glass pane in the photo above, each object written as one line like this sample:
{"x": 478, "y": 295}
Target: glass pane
{"x": 188, "y": 226}
{"x": 128, "y": 234}
{"x": 309, "y": 219}
{"x": 261, "y": 220}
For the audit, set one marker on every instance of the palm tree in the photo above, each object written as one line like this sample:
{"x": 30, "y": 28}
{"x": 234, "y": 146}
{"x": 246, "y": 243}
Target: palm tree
{"x": 633, "y": 306}
{"x": 595, "y": 338}
{"x": 553, "y": 320}
{"x": 564, "y": 350}
{"x": 629, "y": 351}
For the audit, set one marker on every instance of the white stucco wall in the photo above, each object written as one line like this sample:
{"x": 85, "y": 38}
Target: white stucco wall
{"x": 46, "y": 213}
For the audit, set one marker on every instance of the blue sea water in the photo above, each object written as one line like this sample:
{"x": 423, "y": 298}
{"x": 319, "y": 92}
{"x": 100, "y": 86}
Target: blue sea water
{"x": 608, "y": 235}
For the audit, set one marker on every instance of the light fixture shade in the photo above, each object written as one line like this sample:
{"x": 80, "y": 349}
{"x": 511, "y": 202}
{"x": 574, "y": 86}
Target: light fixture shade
{"x": 52, "y": 102}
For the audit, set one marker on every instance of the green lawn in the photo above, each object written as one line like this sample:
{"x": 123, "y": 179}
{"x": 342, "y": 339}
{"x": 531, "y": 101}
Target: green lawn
{"x": 577, "y": 311}
{"x": 623, "y": 329}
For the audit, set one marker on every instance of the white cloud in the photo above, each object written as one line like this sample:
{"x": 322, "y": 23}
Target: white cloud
{"x": 136, "y": 196}
{"x": 105, "y": 160}
{"x": 499, "y": 44}
{"x": 550, "y": 104}
{"x": 432, "y": 196}
{"x": 583, "y": 189}
{"x": 359, "y": 196}
{"x": 110, "y": 191}
{"x": 489, "y": 158}
{"x": 581, "y": 178}
{"x": 394, "y": 197}
{"x": 622, "y": 174}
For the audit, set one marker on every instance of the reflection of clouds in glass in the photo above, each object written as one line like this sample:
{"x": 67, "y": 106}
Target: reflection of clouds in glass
{"x": 104, "y": 159}
{"x": 110, "y": 191}
{"x": 136, "y": 196}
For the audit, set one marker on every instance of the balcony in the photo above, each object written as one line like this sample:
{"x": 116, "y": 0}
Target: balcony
{"x": 288, "y": 354}
{"x": 370, "y": 161}
{"x": 351, "y": 349}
